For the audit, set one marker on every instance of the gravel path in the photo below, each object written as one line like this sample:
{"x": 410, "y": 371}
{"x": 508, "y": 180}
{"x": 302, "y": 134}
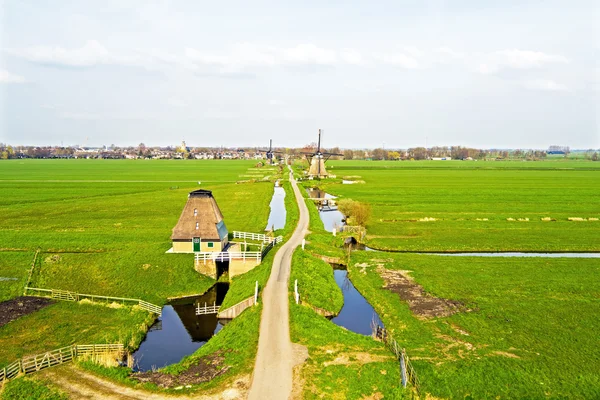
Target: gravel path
{"x": 275, "y": 359}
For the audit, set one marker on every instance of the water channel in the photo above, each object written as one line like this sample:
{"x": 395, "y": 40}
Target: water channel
{"x": 278, "y": 213}
{"x": 179, "y": 331}
{"x": 356, "y": 314}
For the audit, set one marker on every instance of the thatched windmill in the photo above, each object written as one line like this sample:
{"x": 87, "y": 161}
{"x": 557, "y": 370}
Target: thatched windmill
{"x": 317, "y": 160}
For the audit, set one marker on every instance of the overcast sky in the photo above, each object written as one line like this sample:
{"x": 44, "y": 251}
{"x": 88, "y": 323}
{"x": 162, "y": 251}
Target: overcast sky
{"x": 508, "y": 74}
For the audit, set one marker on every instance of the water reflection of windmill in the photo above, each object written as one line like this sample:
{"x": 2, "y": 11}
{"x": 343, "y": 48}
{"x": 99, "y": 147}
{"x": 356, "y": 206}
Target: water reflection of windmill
{"x": 317, "y": 160}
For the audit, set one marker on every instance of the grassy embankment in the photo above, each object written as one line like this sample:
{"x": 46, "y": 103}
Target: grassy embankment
{"x": 472, "y": 202}
{"x": 531, "y": 332}
{"x": 66, "y": 323}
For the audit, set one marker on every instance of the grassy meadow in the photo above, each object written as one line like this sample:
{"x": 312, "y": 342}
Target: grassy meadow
{"x": 528, "y": 327}
{"x": 472, "y": 203}
{"x": 103, "y": 226}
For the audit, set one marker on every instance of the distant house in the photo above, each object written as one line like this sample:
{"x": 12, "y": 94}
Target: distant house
{"x": 201, "y": 227}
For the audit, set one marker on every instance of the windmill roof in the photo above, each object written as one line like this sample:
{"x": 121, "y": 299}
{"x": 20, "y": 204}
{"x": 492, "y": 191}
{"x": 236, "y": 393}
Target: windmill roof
{"x": 200, "y": 210}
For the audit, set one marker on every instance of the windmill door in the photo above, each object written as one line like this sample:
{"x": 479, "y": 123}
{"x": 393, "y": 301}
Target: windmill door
{"x": 196, "y": 244}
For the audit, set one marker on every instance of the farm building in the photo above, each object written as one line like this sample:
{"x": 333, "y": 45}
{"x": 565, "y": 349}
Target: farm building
{"x": 201, "y": 227}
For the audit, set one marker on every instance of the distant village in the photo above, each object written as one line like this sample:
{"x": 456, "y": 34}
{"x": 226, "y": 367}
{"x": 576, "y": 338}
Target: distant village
{"x": 184, "y": 151}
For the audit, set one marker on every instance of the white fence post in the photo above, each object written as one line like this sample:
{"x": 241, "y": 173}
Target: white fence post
{"x": 303, "y": 243}
{"x": 296, "y": 295}
{"x": 403, "y": 367}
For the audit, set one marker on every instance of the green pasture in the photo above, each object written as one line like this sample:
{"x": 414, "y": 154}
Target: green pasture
{"x": 467, "y": 206}
{"x": 528, "y": 326}
{"x": 103, "y": 226}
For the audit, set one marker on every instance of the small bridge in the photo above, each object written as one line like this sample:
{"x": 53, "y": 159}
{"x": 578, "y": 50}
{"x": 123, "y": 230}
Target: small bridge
{"x": 206, "y": 309}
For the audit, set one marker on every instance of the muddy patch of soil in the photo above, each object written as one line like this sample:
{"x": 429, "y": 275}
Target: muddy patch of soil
{"x": 420, "y": 302}
{"x": 16, "y": 308}
{"x": 206, "y": 369}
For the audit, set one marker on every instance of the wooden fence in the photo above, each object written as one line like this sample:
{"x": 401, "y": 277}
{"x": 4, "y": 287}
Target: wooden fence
{"x": 73, "y": 296}
{"x": 206, "y": 309}
{"x": 257, "y": 236}
{"x": 228, "y": 256}
{"x": 407, "y": 372}
{"x": 31, "y": 271}
{"x": 244, "y": 256}
{"x": 30, "y": 364}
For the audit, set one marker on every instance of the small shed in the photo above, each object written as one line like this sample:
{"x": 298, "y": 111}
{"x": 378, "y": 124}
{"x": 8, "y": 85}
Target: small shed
{"x": 201, "y": 227}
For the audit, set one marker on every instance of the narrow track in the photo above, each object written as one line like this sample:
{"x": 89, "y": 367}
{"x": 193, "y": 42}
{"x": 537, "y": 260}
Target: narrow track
{"x": 275, "y": 358}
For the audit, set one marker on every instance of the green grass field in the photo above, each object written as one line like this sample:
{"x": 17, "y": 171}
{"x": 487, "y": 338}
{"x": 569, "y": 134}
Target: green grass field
{"x": 529, "y": 327}
{"x": 471, "y": 203}
{"x": 103, "y": 226}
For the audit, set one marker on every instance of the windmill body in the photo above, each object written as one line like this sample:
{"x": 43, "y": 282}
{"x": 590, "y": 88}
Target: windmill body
{"x": 317, "y": 160}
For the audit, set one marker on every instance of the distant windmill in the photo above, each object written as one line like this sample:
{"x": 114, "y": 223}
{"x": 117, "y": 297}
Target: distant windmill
{"x": 271, "y": 153}
{"x": 317, "y": 160}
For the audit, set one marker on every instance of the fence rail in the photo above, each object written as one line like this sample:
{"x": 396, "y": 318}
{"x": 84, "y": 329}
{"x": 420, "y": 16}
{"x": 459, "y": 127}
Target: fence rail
{"x": 407, "y": 372}
{"x": 73, "y": 296}
{"x": 206, "y": 309}
{"x": 30, "y": 364}
{"x": 228, "y": 255}
{"x": 257, "y": 236}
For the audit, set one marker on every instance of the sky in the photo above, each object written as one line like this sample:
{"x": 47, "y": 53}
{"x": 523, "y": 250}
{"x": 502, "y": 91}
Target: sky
{"x": 397, "y": 74}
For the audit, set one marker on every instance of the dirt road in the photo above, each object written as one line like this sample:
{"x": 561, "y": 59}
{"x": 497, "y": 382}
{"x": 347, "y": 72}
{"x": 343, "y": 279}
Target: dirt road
{"x": 273, "y": 369}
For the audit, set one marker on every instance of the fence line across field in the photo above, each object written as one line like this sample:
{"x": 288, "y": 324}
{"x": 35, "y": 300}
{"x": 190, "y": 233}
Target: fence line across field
{"x": 407, "y": 372}
{"x": 30, "y": 364}
{"x": 66, "y": 295}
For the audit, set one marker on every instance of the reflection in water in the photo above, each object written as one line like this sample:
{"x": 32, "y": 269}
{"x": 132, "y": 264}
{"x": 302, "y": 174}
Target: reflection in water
{"x": 332, "y": 218}
{"x": 179, "y": 332}
{"x": 357, "y": 314}
{"x": 278, "y": 212}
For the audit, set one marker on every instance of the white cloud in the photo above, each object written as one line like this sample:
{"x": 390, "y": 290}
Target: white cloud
{"x": 176, "y": 102}
{"x": 398, "y": 60}
{"x": 7, "y": 77}
{"x": 546, "y": 85}
{"x": 352, "y": 57}
{"x": 92, "y": 53}
{"x": 249, "y": 55}
{"x": 517, "y": 59}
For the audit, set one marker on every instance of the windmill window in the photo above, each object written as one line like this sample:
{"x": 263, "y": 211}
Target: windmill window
{"x": 195, "y": 212}
{"x": 197, "y": 225}
{"x": 211, "y": 244}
